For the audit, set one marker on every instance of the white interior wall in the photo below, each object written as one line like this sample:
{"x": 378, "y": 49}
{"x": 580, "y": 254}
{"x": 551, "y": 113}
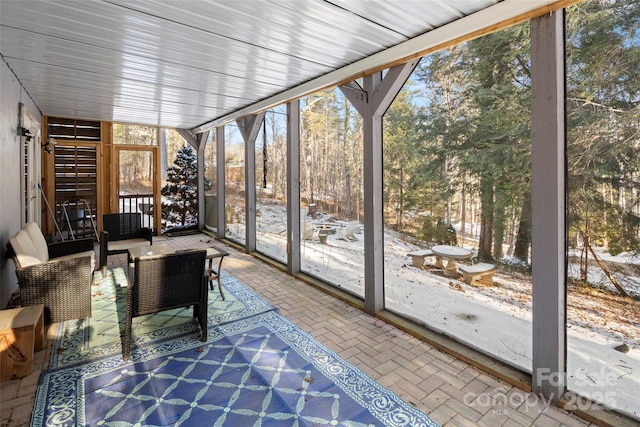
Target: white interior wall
{"x": 12, "y": 93}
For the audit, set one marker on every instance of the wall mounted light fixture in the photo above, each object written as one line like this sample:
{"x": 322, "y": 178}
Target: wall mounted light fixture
{"x": 50, "y": 143}
{"x": 26, "y": 133}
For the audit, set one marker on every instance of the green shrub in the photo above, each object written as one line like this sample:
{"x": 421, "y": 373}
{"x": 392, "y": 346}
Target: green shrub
{"x": 439, "y": 232}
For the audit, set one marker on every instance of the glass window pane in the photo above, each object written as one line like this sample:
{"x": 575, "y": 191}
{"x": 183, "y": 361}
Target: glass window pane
{"x": 234, "y": 184}
{"x": 127, "y": 134}
{"x": 456, "y": 167}
{"x": 211, "y": 176}
{"x": 271, "y": 185}
{"x": 603, "y": 202}
{"x": 331, "y": 185}
{"x": 179, "y": 190}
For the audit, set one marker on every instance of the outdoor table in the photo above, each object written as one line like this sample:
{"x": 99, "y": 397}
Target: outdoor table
{"x": 156, "y": 249}
{"x": 451, "y": 253}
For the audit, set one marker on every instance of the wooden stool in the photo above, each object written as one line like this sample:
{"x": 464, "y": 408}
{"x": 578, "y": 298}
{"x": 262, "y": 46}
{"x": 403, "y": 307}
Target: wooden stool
{"x": 21, "y": 333}
{"x": 215, "y": 252}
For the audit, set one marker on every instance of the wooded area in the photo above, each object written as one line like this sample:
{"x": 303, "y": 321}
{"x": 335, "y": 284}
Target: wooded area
{"x": 457, "y": 143}
{"x": 457, "y": 140}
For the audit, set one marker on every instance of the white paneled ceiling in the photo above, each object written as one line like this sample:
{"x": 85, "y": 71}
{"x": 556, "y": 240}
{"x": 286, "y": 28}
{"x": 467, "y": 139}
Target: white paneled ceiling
{"x": 194, "y": 63}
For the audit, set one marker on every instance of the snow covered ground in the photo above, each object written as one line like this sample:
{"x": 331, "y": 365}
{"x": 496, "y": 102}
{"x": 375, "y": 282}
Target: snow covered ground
{"x": 496, "y": 320}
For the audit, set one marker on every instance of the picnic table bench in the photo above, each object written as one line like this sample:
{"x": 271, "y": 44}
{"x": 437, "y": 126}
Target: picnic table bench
{"x": 417, "y": 257}
{"x": 481, "y": 272}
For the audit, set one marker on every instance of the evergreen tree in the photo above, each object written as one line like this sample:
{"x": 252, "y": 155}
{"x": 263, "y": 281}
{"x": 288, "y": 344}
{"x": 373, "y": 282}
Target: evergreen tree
{"x": 478, "y": 126}
{"x": 181, "y": 189}
{"x": 603, "y": 152}
{"x": 402, "y": 181}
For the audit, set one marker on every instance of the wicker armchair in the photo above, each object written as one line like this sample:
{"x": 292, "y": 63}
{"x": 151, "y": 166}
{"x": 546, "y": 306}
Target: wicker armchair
{"x": 57, "y": 275}
{"x": 164, "y": 282}
{"x": 122, "y": 231}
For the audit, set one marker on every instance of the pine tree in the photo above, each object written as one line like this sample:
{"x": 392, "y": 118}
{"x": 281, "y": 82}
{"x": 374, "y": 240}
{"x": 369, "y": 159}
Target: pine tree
{"x": 181, "y": 190}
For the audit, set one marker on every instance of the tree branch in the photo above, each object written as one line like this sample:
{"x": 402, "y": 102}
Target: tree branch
{"x": 596, "y": 104}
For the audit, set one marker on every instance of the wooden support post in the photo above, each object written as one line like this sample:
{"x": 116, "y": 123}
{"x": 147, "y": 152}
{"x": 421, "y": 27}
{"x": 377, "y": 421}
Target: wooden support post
{"x": 293, "y": 187}
{"x": 249, "y": 127}
{"x": 372, "y": 101}
{"x": 548, "y": 165}
{"x": 220, "y": 183}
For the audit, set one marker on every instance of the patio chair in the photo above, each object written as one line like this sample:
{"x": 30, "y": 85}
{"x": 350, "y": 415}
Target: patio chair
{"x": 349, "y": 234}
{"x": 120, "y": 232}
{"x": 164, "y": 282}
{"x": 57, "y": 275}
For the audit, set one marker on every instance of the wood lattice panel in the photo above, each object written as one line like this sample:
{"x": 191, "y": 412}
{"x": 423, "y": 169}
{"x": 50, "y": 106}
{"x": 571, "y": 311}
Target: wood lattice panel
{"x": 72, "y": 129}
{"x": 76, "y": 181}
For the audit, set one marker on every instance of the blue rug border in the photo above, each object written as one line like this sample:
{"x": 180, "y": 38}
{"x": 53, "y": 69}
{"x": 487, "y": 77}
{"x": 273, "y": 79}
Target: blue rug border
{"x": 396, "y": 411}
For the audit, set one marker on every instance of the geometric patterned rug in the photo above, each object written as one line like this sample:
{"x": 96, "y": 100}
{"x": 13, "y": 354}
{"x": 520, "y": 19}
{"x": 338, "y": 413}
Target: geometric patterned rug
{"x": 256, "y": 369}
{"x": 86, "y": 339}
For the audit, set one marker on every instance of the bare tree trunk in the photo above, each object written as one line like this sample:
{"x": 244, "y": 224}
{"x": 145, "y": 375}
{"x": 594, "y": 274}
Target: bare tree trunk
{"x": 498, "y": 223}
{"x": 400, "y": 210}
{"x": 523, "y": 238}
{"x": 447, "y": 177}
{"x": 607, "y": 273}
{"x": 584, "y": 264}
{"x": 486, "y": 219}
{"x": 345, "y": 157}
{"x": 463, "y": 210}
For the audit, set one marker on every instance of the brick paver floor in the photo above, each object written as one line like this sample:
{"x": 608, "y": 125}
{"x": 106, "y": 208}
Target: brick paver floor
{"x": 452, "y": 392}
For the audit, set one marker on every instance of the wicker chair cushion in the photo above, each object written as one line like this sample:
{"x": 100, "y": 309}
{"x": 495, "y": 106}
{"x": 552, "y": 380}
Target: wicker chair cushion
{"x": 26, "y": 253}
{"x": 38, "y": 241}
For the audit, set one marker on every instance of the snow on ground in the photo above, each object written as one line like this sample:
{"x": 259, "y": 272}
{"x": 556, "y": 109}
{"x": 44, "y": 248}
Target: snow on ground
{"x": 495, "y": 320}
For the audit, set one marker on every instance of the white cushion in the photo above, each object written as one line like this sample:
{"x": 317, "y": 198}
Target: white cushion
{"x": 26, "y": 253}
{"x": 38, "y": 241}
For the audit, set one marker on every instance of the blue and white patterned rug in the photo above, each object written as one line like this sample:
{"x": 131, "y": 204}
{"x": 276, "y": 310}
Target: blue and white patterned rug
{"x": 84, "y": 340}
{"x": 256, "y": 369}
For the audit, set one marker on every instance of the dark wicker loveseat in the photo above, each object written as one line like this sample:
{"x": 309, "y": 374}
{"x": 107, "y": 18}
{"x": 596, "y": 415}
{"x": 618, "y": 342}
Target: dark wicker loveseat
{"x": 164, "y": 282}
{"x": 57, "y": 275}
{"x": 121, "y": 232}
